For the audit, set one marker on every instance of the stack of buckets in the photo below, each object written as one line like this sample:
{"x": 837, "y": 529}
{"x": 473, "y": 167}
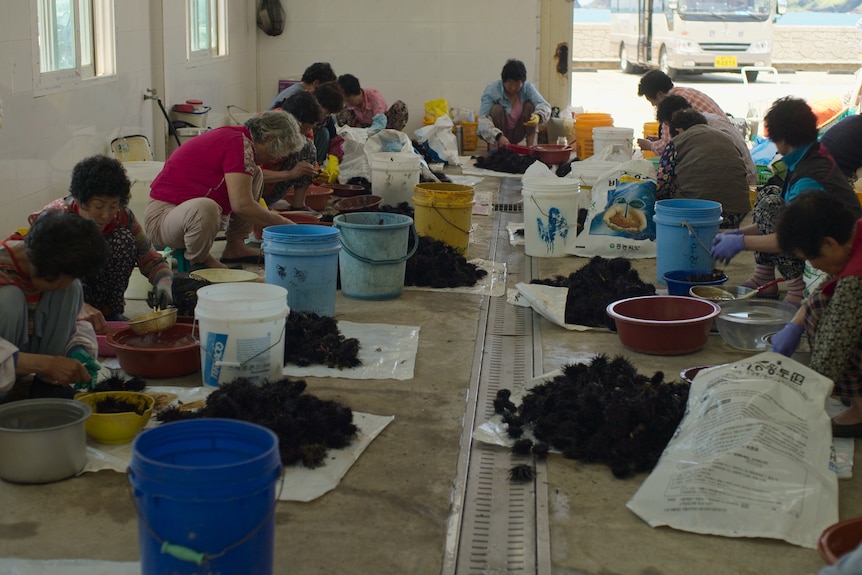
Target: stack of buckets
{"x": 684, "y": 230}
{"x": 604, "y": 136}
{"x": 444, "y": 212}
{"x": 550, "y": 215}
{"x": 393, "y": 176}
{"x": 584, "y": 124}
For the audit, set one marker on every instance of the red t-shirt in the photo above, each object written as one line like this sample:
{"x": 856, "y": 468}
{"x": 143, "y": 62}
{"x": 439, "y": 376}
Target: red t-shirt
{"x": 197, "y": 168}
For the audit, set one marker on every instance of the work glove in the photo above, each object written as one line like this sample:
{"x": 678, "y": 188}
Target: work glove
{"x": 160, "y": 297}
{"x": 533, "y": 121}
{"x": 378, "y": 123}
{"x": 786, "y": 341}
{"x": 725, "y": 246}
{"x": 331, "y": 171}
{"x": 91, "y": 365}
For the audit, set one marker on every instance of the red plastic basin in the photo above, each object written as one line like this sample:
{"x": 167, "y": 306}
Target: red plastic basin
{"x": 173, "y": 352}
{"x": 663, "y": 325}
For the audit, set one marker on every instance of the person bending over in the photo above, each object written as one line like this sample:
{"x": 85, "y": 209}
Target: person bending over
{"x": 512, "y": 108}
{"x": 363, "y": 104}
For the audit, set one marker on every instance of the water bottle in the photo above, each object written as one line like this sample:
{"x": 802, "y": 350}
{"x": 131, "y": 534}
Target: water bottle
{"x": 123, "y": 151}
{"x": 562, "y": 141}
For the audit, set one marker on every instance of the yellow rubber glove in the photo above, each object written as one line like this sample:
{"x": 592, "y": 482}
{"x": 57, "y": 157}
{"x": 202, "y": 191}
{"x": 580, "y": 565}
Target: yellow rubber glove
{"x": 533, "y": 121}
{"x": 331, "y": 169}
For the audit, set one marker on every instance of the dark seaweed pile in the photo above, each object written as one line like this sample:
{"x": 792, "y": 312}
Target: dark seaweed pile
{"x": 436, "y": 264}
{"x": 185, "y": 293}
{"x": 117, "y": 383}
{"x": 594, "y": 286}
{"x": 603, "y": 412}
{"x": 360, "y": 181}
{"x": 714, "y": 275}
{"x": 116, "y": 405}
{"x": 313, "y": 339}
{"x": 504, "y": 160}
{"x": 306, "y": 426}
{"x": 402, "y": 208}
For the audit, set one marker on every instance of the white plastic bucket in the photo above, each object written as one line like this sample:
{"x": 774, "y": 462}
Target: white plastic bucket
{"x": 550, "y": 215}
{"x": 242, "y": 331}
{"x": 609, "y": 136}
{"x": 394, "y": 175}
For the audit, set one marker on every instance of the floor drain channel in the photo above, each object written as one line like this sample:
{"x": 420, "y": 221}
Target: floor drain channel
{"x": 499, "y": 526}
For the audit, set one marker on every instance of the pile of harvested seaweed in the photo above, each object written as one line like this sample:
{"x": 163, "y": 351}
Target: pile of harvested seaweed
{"x": 436, "y": 264}
{"x": 504, "y": 160}
{"x": 313, "y": 339}
{"x": 402, "y": 208}
{"x": 593, "y": 287}
{"x": 306, "y": 426}
{"x": 601, "y": 412}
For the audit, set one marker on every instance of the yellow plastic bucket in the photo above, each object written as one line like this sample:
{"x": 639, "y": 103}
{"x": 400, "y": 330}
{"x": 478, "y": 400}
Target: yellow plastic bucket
{"x": 444, "y": 212}
{"x": 650, "y": 129}
{"x": 584, "y": 124}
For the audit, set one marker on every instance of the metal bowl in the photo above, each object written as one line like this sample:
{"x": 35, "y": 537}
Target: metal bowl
{"x": 743, "y": 323}
{"x": 153, "y": 322}
{"x": 42, "y": 440}
{"x": 663, "y": 325}
{"x": 720, "y": 293}
{"x": 802, "y": 353}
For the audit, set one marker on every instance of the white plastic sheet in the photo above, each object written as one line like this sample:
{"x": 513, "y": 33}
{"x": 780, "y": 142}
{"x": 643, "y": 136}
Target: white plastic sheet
{"x": 67, "y": 567}
{"x": 751, "y": 457}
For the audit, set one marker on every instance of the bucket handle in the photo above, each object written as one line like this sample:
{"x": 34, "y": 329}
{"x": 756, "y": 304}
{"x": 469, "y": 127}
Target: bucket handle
{"x": 692, "y": 233}
{"x": 442, "y": 217}
{"x": 538, "y": 207}
{"x": 409, "y": 255}
{"x": 184, "y": 553}
{"x": 220, "y": 363}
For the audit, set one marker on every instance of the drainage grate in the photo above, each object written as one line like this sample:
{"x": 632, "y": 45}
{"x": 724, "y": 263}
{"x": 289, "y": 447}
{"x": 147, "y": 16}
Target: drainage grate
{"x": 498, "y": 526}
{"x": 515, "y": 207}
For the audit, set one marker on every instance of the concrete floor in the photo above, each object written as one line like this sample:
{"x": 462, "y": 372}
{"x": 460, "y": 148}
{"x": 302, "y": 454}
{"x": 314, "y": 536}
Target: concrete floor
{"x": 389, "y": 515}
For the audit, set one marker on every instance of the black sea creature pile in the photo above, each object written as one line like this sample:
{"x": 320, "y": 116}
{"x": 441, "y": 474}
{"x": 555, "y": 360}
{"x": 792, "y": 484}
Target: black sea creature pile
{"x": 504, "y": 160}
{"x": 313, "y": 339}
{"x": 185, "y": 293}
{"x": 306, "y": 426}
{"x": 602, "y": 412}
{"x": 436, "y": 264}
{"x": 117, "y": 383}
{"x": 402, "y": 208}
{"x": 594, "y": 286}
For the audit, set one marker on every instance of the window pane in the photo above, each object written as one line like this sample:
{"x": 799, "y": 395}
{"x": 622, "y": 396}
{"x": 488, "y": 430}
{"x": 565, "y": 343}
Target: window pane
{"x": 86, "y": 23}
{"x": 200, "y": 25}
{"x": 57, "y": 38}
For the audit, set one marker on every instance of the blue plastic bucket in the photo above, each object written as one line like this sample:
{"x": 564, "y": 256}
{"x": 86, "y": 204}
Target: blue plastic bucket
{"x": 684, "y": 231}
{"x": 374, "y": 253}
{"x": 204, "y": 490}
{"x": 303, "y": 259}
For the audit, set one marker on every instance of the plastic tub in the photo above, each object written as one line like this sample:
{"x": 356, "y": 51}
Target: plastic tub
{"x": 170, "y": 353}
{"x": 663, "y": 325}
{"x": 394, "y": 175}
{"x": 744, "y": 323}
{"x": 679, "y": 281}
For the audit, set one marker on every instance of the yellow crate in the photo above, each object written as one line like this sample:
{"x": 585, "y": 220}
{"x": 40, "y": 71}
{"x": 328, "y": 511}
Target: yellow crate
{"x": 470, "y": 131}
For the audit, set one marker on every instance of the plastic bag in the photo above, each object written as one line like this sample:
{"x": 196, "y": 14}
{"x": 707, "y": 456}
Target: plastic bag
{"x": 620, "y": 218}
{"x": 271, "y": 17}
{"x": 439, "y": 141}
{"x": 355, "y": 163}
{"x": 751, "y": 457}
{"x": 436, "y": 108}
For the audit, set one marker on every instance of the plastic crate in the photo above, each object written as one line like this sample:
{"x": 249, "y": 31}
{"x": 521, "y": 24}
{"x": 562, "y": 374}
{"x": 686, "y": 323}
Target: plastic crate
{"x": 470, "y": 131}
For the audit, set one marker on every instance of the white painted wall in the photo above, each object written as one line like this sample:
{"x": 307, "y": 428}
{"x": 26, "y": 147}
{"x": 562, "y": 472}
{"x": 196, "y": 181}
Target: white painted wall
{"x": 410, "y": 50}
{"x": 42, "y": 138}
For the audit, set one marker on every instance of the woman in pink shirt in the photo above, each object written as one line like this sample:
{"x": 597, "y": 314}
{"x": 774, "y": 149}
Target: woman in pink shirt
{"x": 217, "y": 174}
{"x": 362, "y": 104}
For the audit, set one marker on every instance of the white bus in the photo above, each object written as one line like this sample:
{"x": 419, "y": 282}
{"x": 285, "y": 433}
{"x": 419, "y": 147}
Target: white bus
{"x": 694, "y": 36}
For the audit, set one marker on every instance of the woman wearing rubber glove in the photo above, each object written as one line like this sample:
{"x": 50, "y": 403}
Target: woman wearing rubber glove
{"x": 512, "y": 108}
{"x": 100, "y": 191}
{"x": 792, "y": 126}
{"x": 818, "y": 227}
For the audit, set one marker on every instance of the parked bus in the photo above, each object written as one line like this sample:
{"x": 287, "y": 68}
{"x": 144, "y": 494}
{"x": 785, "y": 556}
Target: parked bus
{"x": 694, "y": 36}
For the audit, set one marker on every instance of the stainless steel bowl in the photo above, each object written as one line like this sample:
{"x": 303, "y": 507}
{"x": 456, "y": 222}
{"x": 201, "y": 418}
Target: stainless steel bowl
{"x": 743, "y": 323}
{"x": 42, "y": 440}
{"x": 802, "y": 353}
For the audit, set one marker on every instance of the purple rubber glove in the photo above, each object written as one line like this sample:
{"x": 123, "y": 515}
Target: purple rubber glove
{"x": 725, "y": 246}
{"x": 786, "y": 341}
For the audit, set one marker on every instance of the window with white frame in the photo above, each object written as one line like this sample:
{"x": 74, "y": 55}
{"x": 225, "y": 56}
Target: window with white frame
{"x": 207, "y": 29}
{"x": 75, "y": 42}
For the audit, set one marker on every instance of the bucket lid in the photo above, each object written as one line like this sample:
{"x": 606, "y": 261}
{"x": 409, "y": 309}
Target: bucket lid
{"x": 300, "y": 232}
{"x": 231, "y": 300}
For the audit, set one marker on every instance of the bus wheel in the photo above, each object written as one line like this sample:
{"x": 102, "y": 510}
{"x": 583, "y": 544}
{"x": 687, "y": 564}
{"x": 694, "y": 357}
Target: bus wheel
{"x": 625, "y": 65}
{"x": 663, "y": 65}
{"x": 751, "y": 76}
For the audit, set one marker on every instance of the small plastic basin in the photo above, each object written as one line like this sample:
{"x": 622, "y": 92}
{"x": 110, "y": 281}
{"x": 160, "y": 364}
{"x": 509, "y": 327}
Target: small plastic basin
{"x": 316, "y": 198}
{"x": 678, "y": 282}
{"x": 117, "y": 427}
{"x": 173, "y": 352}
{"x": 105, "y": 350}
{"x": 839, "y": 539}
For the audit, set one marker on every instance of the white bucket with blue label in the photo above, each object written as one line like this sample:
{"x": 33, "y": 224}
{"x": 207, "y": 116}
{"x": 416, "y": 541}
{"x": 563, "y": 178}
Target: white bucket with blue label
{"x": 242, "y": 331}
{"x": 550, "y": 215}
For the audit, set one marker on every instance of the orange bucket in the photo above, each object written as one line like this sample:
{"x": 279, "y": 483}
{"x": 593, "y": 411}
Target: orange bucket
{"x": 650, "y": 129}
{"x": 584, "y": 124}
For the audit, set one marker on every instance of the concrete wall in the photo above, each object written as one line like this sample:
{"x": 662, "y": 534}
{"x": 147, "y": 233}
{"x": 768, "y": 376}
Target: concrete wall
{"x": 796, "y": 47}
